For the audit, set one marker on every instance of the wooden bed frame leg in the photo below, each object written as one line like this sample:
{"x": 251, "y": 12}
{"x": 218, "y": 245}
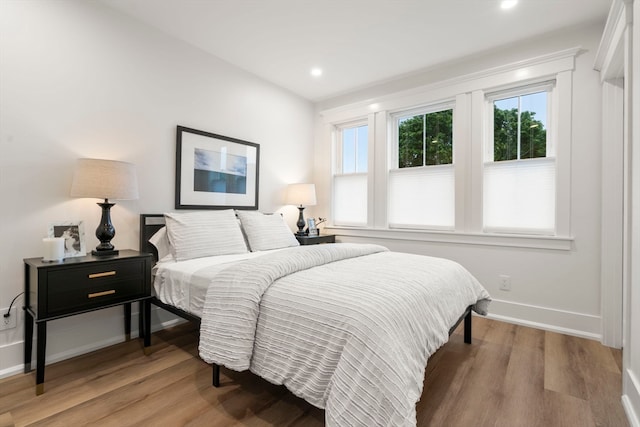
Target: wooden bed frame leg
{"x": 467, "y": 328}
{"x": 216, "y": 375}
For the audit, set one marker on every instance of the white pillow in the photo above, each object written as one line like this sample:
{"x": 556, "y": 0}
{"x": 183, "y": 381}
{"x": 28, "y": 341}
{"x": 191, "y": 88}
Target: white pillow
{"x": 264, "y": 232}
{"x": 200, "y": 234}
{"x": 160, "y": 241}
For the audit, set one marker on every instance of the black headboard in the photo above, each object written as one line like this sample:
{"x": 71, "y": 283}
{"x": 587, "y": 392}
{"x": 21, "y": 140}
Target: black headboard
{"x": 149, "y": 225}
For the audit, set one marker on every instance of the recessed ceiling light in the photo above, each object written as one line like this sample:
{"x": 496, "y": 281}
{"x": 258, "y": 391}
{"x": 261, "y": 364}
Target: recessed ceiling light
{"x": 508, "y": 4}
{"x": 316, "y": 72}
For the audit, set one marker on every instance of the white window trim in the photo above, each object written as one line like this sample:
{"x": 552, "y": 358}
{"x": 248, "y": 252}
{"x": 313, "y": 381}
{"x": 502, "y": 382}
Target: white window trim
{"x": 336, "y": 163}
{"x": 485, "y": 239}
{"x": 561, "y": 72}
{"x": 393, "y": 155}
{"x": 469, "y": 92}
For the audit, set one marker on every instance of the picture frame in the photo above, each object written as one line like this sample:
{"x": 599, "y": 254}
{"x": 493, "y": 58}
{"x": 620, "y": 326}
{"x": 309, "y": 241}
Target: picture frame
{"x": 215, "y": 171}
{"x": 73, "y": 234}
{"x": 311, "y": 227}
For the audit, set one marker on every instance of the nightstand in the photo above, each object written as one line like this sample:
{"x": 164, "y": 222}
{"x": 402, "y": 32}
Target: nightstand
{"x": 78, "y": 285}
{"x": 314, "y": 240}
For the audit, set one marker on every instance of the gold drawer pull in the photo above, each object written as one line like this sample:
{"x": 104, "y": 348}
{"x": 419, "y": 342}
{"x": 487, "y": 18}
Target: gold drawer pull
{"x": 105, "y": 274}
{"x": 101, "y": 294}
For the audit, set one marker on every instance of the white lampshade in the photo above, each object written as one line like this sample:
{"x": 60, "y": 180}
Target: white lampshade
{"x": 105, "y": 179}
{"x": 301, "y": 195}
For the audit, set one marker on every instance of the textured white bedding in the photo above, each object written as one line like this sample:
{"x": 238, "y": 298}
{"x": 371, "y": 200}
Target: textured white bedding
{"x": 184, "y": 284}
{"x": 349, "y": 328}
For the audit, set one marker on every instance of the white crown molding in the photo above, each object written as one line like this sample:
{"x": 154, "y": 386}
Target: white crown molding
{"x": 607, "y": 61}
{"x": 512, "y": 73}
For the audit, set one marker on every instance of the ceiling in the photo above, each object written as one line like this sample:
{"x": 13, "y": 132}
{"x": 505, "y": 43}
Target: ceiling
{"x": 357, "y": 43}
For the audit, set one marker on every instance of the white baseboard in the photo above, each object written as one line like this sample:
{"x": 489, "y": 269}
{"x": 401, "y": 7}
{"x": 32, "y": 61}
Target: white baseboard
{"x": 14, "y": 352}
{"x": 548, "y": 319}
{"x": 564, "y": 322}
{"x": 631, "y": 397}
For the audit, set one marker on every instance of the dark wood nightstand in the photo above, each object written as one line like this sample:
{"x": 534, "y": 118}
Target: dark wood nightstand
{"x": 78, "y": 285}
{"x": 314, "y": 240}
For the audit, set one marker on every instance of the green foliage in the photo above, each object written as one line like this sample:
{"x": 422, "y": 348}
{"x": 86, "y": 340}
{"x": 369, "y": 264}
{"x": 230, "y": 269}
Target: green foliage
{"x": 533, "y": 135}
{"x": 433, "y": 131}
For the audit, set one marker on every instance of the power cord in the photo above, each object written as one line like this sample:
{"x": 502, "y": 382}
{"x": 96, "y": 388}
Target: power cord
{"x": 8, "y": 313}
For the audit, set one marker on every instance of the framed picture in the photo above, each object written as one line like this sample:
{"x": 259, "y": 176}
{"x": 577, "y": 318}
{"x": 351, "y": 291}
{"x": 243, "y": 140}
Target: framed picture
{"x": 311, "y": 224}
{"x": 73, "y": 234}
{"x": 215, "y": 171}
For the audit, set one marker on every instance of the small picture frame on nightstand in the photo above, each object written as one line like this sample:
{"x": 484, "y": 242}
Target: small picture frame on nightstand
{"x": 73, "y": 234}
{"x": 313, "y": 230}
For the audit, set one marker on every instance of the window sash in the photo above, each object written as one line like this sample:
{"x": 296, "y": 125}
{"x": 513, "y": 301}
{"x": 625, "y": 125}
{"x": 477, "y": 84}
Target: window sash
{"x": 491, "y": 97}
{"x": 396, "y": 117}
{"x": 358, "y": 165}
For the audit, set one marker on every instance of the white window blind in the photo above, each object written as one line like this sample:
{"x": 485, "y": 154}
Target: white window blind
{"x": 422, "y": 197}
{"x": 519, "y": 195}
{"x": 350, "y": 199}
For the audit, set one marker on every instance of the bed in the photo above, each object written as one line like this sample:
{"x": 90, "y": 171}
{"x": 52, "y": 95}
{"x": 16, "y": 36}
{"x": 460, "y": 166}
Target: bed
{"x": 347, "y": 327}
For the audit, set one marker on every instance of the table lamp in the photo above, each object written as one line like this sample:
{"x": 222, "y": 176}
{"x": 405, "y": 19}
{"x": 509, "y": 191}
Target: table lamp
{"x": 105, "y": 179}
{"x": 301, "y": 195}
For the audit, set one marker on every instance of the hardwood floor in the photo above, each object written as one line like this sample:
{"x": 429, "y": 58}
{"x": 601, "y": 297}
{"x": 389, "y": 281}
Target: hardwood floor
{"x": 510, "y": 376}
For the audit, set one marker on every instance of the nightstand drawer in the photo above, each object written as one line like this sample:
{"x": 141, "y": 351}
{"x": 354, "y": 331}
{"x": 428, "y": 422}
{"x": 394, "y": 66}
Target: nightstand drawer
{"x": 89, "y": 275}
{"x": 87, "y": 287}
{"x": 62, "y": 301}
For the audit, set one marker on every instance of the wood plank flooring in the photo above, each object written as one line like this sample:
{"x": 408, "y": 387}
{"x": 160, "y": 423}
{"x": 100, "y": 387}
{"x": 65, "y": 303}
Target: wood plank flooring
{"x": 510, "y": 376}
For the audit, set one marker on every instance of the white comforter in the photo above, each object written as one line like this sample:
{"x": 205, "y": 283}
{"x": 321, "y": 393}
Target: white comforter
{"x": 349, "y": 328}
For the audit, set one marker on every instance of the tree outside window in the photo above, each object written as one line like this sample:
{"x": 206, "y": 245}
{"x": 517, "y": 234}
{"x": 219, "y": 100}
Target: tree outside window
{"x": 426, "y": 139}
{"x": 519, "y": 127}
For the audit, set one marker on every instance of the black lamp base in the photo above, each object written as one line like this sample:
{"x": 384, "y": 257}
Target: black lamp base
{"x": 105, "y": 232}
{"x": 105, "y": 253}
{"x": 300, "y": 222}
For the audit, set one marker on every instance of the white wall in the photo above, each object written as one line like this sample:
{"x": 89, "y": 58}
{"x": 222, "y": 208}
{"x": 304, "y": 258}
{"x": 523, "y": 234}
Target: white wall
{"x": 553, "y": 289}
{"x": 80, "y": 80}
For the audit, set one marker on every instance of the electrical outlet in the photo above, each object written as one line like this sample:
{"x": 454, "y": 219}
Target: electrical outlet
{"x": 8, "y": 322}
{"x": 505, "y": 282}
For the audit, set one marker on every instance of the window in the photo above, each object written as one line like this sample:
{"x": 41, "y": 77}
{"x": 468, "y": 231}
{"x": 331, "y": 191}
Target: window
{"x": 520, "y": 168}
{"x": 421, "y": 180}
{"x": 519, "y": 127}
{"x": 483, "y": 158}
{"x": 350, "y": 177}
